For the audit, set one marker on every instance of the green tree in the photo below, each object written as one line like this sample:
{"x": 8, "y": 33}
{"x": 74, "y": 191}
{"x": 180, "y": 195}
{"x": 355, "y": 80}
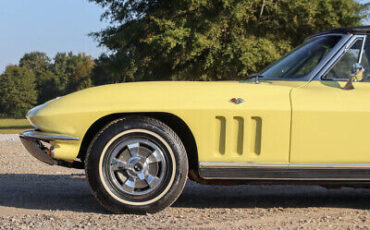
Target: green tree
{"x": 47, "y": 83}
{"x": 209, "y": 39}
{"x": 38, "y": 62}
{"x": 67, "y": 73}
{"x": 74, "y": 71}
{"x": 109, "y": 69}
{"x": 18, "y": 93}
{"x": 60, "y": 69}
{"x": 80, "y": 76}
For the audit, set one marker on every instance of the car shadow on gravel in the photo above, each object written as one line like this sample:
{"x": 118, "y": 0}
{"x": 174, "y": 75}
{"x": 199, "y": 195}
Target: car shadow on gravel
{"x": 71, "y": 193}
{"x": 47, "y": 192}
{"x": 272, "y": 196}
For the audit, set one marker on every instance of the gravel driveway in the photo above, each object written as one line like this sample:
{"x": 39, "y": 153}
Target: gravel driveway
{"x": 36, "y": 196}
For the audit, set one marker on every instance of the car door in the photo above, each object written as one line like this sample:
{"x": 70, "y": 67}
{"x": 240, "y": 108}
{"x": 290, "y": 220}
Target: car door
{"x": 331, "y": 125}
{"x": 257, "y": 131}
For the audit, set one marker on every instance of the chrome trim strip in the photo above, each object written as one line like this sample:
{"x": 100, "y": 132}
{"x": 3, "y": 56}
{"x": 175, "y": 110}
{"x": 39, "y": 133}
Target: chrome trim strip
{"x": 32, "y": 134}
{"x": 284, "y": 172}
{"x": 300, "y": 165}
{"x": 261, "y": 176}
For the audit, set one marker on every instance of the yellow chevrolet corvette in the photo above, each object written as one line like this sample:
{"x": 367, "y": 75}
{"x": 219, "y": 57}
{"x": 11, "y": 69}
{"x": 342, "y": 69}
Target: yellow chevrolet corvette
{"x": 303, "y": 119}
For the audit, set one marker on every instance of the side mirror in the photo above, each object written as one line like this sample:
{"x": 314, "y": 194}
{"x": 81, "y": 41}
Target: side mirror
{"x": 357, "y": 75}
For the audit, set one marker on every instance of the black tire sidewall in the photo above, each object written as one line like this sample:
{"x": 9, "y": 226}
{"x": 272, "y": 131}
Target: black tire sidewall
{"x": 115, "y": 128}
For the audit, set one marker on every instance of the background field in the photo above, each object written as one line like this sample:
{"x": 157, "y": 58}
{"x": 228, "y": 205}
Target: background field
{"x": 12, "y": 126}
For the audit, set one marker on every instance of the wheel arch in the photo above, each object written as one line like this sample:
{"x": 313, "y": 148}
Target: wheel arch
{"x": 173, "y": 121}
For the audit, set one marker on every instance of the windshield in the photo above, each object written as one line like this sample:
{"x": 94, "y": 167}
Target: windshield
{"x": 302, "y": 60}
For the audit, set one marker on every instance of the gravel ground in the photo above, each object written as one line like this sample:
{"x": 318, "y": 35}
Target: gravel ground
{"x": 37, "y": 196}
{"x": 9, "y": 138}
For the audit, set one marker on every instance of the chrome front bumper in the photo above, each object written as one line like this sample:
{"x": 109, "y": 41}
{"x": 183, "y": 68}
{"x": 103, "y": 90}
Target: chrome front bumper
{"x": 36, "y": 144}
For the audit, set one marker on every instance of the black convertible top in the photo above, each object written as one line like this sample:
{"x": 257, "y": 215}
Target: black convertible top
{"x": 346, "y": 30}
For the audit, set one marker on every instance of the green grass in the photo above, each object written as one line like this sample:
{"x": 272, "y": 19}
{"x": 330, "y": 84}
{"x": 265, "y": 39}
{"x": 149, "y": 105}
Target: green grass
{"x": 13, "y": 126}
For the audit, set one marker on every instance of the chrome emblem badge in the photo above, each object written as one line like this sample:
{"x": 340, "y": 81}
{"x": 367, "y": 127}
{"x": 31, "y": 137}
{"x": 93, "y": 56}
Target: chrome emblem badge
{"x": 237, "y": 100}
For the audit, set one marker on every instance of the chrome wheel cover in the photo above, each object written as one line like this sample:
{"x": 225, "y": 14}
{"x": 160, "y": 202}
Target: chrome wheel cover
{"x": 135, "y": 166}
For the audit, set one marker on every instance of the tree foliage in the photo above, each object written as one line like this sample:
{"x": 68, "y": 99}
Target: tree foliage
{"x": 209, "y": 39}
{"x": 38, "y": 79}
{"x": 47, "y": 84}
{"x": 74, "y": 71}
{"x": 18, "y": 93}
{"x": 65, "y": 74}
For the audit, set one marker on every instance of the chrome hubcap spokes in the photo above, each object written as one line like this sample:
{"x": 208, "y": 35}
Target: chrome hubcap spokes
{"x": 136, "y": 166}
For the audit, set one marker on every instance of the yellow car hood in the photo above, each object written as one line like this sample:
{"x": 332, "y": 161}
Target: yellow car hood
{"x": 74, "y": 113}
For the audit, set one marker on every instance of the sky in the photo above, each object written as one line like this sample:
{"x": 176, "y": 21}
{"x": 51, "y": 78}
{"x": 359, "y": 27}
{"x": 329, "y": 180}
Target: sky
{"x": 50, "y": 26}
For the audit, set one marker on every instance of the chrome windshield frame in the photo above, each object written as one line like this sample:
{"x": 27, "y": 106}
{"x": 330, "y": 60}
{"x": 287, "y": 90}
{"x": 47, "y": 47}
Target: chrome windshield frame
{"x": 321, "y": 65}
{"x": 337, "y": 56}
{"x": 330, "y": 56}
{"x": 362, "y": 49}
